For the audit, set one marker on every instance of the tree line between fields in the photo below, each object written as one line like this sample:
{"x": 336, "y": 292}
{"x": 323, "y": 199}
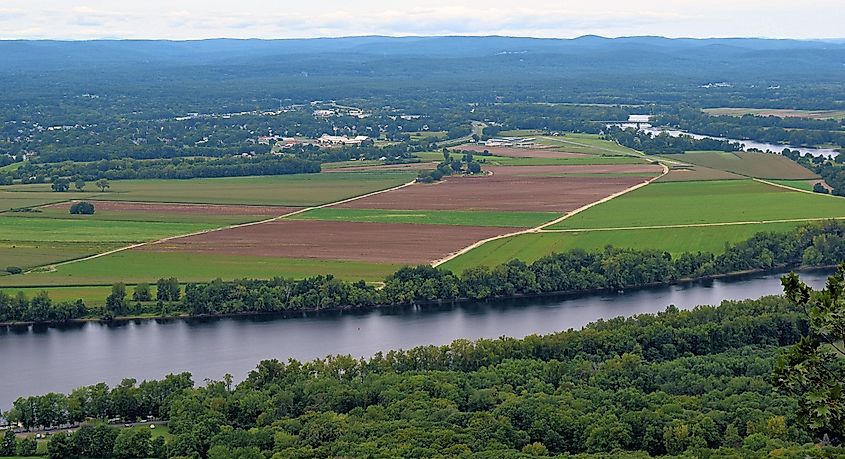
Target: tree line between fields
{"x": 820, "y": 244}
{"x": 710, "y": 382}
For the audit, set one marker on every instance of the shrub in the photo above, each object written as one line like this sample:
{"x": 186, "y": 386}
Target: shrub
{"x": 14, "y": 270}
{"x": 82, "y": 208}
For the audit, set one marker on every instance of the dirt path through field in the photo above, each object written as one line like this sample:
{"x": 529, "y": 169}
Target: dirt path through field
{"x": 540, "y": 228}
{"x": 53, "y": 266}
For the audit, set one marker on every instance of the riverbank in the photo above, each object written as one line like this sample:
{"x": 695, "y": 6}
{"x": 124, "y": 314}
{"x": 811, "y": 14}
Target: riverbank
{"x": 456, "y": 301}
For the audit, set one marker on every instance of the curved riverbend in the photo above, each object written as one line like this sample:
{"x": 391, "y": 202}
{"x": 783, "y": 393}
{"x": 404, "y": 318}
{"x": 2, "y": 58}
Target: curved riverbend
{"x": 40, "y": 359}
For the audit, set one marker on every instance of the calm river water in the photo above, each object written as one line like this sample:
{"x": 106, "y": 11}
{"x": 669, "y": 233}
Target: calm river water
{"x": 36, "y": 360}
{"x": 777, "y": 148}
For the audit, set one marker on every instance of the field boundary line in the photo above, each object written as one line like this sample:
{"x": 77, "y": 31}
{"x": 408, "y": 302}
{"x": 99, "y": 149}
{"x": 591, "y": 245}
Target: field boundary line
{"x": 538, "y": 229}
{"x": 690, "y": 225}
{"x": 52, "y": 267}
{"x": 787, "y": 187}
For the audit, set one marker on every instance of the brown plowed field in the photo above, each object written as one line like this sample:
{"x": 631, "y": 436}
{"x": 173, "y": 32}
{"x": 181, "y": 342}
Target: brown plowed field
{"x": 520, "y": 152}
{"x": 575, "y": 169}
{"x": 183, "y": 209}
{"x": 372, "y": 242}
{"x": 499, "y": 192}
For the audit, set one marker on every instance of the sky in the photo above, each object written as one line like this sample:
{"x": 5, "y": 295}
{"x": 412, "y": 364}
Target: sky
{"x": 196, "y": 19}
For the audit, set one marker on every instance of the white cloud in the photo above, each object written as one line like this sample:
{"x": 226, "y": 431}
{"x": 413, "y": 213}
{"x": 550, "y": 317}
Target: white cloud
{"x": 72, "y": 19}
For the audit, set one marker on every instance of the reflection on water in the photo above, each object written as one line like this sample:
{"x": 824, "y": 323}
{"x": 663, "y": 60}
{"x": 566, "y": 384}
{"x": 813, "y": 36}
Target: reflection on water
{"x": 750, "y": 144}
{"x": 41, "y": 359}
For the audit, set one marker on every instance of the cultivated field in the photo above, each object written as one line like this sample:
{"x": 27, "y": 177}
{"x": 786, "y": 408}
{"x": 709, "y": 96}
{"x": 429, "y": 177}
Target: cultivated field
{"x": 501, "y": 192}
{"x": 710, "y": 202}
{"x": 692, "y": 173}
{"x": 146, "y": 266}
{"x": 284, "y": 190}
{"x": 333, "y": 240}
{"x": 781, "y": 113}
{"x": 531, "y": 247}
{"x": 756, "y": 165}
{"x": 431, "y": 217}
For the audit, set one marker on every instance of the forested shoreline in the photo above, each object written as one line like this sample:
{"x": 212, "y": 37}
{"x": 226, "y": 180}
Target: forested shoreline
{"x": 677, "y": 382}
{"x": 570, "y": 272}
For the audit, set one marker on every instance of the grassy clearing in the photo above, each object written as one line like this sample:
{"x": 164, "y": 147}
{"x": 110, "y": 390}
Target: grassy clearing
{"x": 28, "y": 254}
{"x": 420, "y": 135}
{"x": 520, "y": 133}
{"x": 282, "y": 190}
{"x": 779, "y": 112}
{"x": 13, "y": 229}
{"x": 757, "y": 165}
{"x": 432, "y": 217}
{"x": 530, "y": 247}
{"x": 137, "y": 266}
{"x": 705, "y": 202}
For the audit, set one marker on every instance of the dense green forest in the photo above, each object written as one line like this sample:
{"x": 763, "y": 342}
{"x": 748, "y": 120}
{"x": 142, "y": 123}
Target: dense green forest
{"x": 693, "y": 383}
{"x": 573, "y": 271}
{"x": 89, "y": 101}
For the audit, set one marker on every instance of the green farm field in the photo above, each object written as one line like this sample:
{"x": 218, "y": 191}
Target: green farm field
{"x": 586, "y": 143}
{"x": 29, "y": 254}
{"x": 205, "y": 218}
{"x": 282, "y": 190}
{"x": 588, "y": 160}
{"x": 431, "y": 217}
{"x": 14, "y": 229}
{"x": 681, "y": 203}
{"x": 779, "y": 112}
{"x": 32, "y": 196}
{"x": 806, "y": 185}
{"x": 533, "y": 246}
{"x": 756, "y": 165}
{"x": 193, "y": 267}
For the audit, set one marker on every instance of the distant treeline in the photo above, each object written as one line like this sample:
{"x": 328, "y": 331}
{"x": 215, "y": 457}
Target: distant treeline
{"x": 177, "y": 168}
{"x": 769, "y": 129}
{"x": 572, "y": 271}
{"x": 694, "y": 383}
{"x": 664, "y": 143}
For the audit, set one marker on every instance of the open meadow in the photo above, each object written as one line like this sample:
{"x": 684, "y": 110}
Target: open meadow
{"x": 779, "y": 112}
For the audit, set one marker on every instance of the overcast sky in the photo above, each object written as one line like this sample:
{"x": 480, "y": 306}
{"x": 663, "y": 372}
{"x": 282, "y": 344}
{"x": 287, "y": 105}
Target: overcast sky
{"x": 192, "y": 19}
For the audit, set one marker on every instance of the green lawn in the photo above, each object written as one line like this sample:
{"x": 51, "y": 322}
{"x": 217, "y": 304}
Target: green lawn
{"x": 432, "y": 217}
{"x": 52, "y": 230}
{"x": 282, "y": 190}
{"x": 705, "y": 202}
{"x": 530, "y": 247}
{"x": 140, "y": 266}
{"x": 91, "y": 295}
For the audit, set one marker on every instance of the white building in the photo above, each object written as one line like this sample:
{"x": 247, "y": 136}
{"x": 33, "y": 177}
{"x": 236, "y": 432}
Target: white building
{"x": 513, "y": 142}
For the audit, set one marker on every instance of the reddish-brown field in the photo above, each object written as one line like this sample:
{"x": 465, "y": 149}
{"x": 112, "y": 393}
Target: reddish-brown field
{"x": 372, "y": 242}
{"x": 575, "y": 169}
{"x": 519, "y": 152}
{"x": 182, "y": 209}
{"x": 504, "y": 191}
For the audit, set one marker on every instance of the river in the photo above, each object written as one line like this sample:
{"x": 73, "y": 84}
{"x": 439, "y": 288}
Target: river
{"x": 750, "y": 144}
{"x": 37, "y": 360}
